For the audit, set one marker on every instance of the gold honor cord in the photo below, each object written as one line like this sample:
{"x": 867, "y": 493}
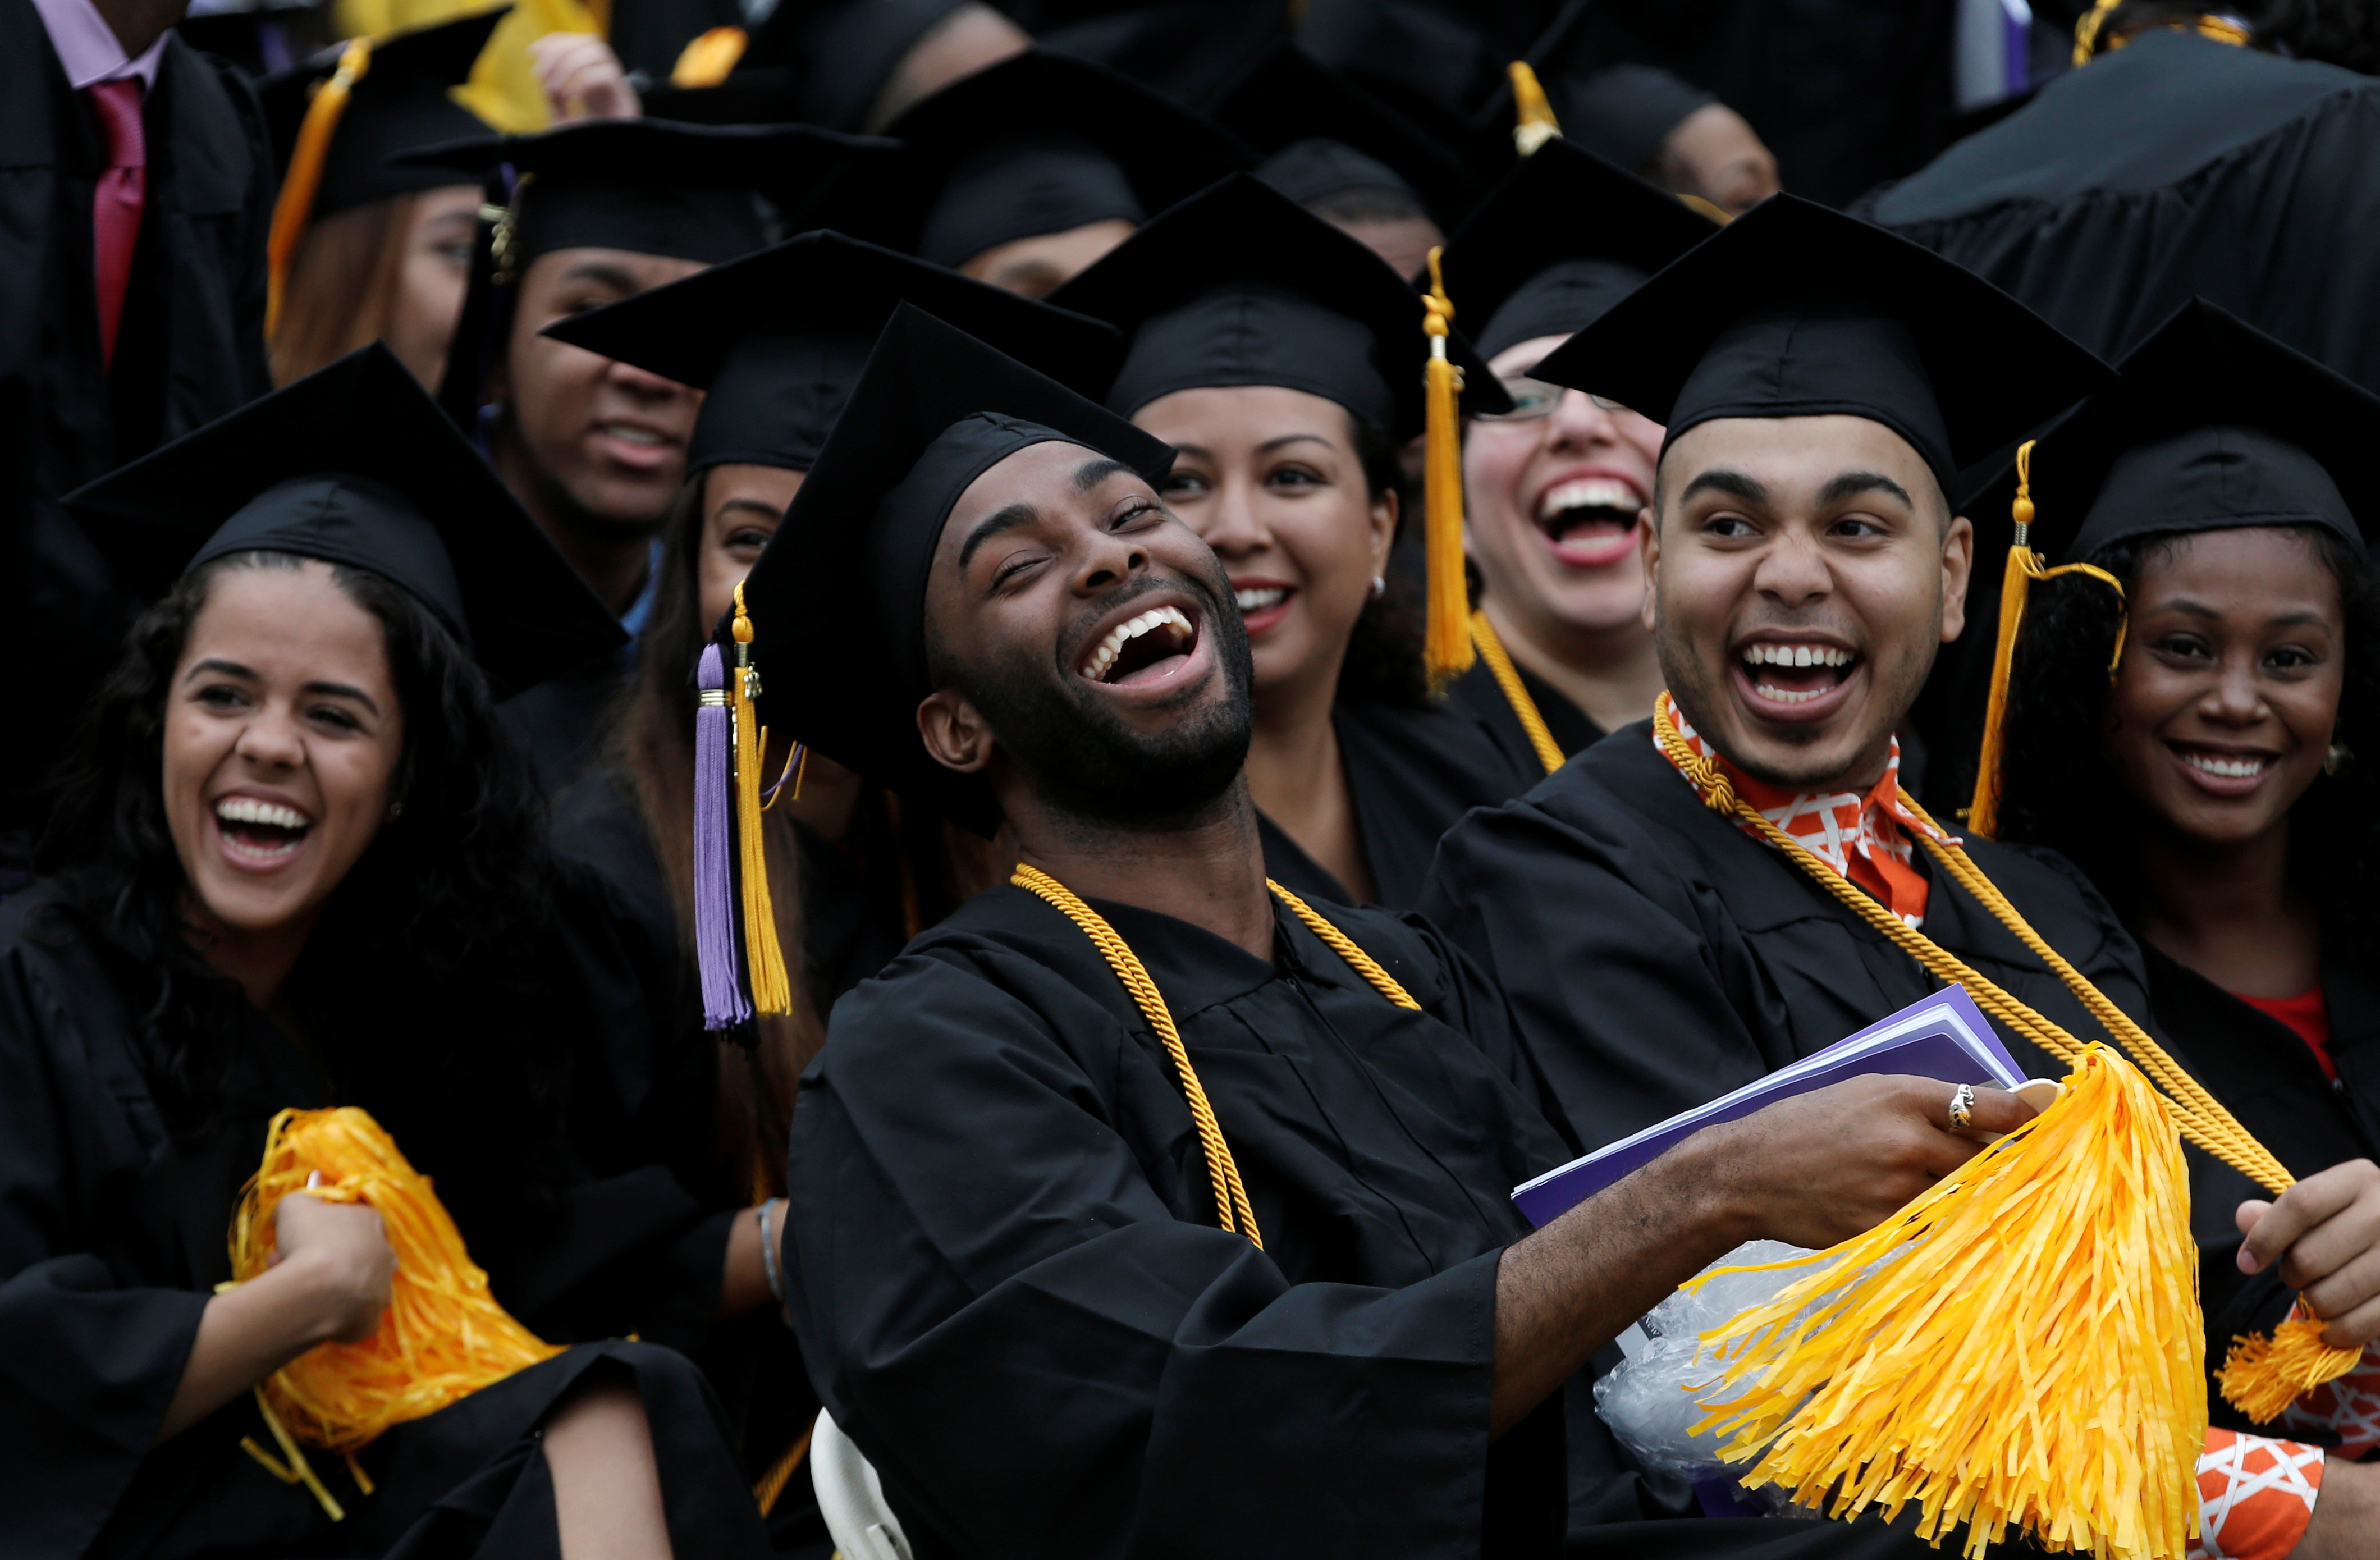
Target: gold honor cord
{"x": 1516, "y": 692}
{"x": 1232, "y": 1211}
{"x": 2199, "y": 1115}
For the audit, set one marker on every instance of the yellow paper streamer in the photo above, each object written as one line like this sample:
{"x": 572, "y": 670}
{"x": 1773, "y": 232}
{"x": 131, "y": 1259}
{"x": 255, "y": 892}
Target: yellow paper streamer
{"x": 2019, "y": 1348}
{"x": 443, "y": 1336}
{"x": 2262, "y": 1376}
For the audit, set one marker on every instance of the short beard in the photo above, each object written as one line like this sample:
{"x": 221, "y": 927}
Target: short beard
{"x": 1082, "y": 759}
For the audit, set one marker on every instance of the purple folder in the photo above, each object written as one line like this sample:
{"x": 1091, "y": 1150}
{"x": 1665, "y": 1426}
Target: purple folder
{"x": 1944, "y": 1036}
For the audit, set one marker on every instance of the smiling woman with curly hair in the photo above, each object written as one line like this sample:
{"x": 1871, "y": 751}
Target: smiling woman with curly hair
{"x": 2210, "y": 785}
{"x": 299, "y": 864}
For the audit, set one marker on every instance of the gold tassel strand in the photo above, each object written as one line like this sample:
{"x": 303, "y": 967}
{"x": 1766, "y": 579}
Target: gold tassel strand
{"x": 2023, "y": 566}
{"x": 295, "y": 207}
{"x": 772, "y": 990}
{"x": 443, "y": 1336}
{"x": 2020, "y": 1347}
{"x": 1533, "y": 118}
{"x": 1491, "y": 649}
{"x": 1446, "y": 636}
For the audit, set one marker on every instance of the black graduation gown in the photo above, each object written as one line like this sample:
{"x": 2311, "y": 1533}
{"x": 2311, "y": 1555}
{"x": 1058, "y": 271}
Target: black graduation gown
{"x": 190, "y": 348}
{"x": 1014, "y": 1297}
{"x": 1478, "y": 694}
{"x": 564, "y": 721}
{"x": 1656, "y": 957}
{"x": 2175, "y": 167}
{"x": 113, "y": 1233}
{"x": 1411, "y": 773}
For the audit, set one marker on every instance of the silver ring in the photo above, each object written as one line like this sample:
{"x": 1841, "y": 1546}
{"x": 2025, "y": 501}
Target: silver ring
{"x": 1962, "y": 1107}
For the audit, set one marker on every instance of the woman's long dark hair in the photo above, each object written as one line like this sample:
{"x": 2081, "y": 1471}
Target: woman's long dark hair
{"x": 2057, "y": 790}
{"x": 416, "y": 989}
{"x": 1384, "y": 660}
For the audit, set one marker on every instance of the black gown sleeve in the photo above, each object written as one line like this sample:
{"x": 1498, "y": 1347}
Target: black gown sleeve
{"x": 87, "y": 1363}
{"x": 1040, "y": 1356}
{"x": 1620, "y": 978}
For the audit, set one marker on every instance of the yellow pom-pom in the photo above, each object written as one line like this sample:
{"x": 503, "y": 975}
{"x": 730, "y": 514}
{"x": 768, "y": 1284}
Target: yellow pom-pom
{"x": 2019, "y": 1348}
{"x": 2262, "y": 1376}
{"x": 443, "y": 1336}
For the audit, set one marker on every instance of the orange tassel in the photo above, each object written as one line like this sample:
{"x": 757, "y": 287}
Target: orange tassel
{"x": 443, "y": 1336}
{"x": 1447, "y": 650}
{"x": 707, "y": 61}
{"x": 295, "y": 206}
{"x": 2024, "y": 566}
{"x": 2262, "y": 1376}
{"x": 1534, "y": 121}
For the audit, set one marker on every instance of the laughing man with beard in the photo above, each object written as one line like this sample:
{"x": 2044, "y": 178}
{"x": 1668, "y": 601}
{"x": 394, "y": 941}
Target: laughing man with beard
{"x": 1059, "y": 1316}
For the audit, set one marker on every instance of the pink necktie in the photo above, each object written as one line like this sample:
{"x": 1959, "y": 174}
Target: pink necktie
{"x": 115, "y": 209}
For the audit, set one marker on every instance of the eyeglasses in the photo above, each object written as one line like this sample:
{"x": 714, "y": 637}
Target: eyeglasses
{"x": 1534, "y": 398}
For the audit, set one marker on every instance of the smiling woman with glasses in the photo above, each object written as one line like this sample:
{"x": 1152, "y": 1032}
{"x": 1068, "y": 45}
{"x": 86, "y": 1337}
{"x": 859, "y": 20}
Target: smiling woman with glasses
{"x": 1553, "y": 488}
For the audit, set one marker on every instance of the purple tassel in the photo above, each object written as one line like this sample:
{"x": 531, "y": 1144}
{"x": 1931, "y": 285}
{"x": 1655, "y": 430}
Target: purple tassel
{"x": 723, "y": 1002}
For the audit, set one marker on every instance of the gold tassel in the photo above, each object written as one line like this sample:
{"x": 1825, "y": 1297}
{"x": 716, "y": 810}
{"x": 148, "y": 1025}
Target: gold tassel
{"x": 2023, "y": 568}
{"x": 1534, "y": 121}
{"x": 443, "y": 1336}
{"x": 2262, "y": 1376}
{"x": 295, "y": 207}
{"x": 2020, "y": 1347}
{"x": 707, "y": 60}
{"x": 771, "y": 989}
{"x": 1446, "y": 639}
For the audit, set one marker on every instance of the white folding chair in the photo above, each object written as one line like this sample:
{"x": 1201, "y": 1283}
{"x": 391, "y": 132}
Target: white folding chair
{"x": 852, "y": 1498}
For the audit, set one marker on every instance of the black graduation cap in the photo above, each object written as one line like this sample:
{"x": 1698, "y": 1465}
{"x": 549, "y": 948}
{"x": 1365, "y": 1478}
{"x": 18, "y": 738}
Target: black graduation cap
{"x": 1796, "y": 310}
{"x": 1566, "y": 236}
{"x": 837, "y": 599}
{"x": 841, "y": 54}
{"x": 1242, "y": 285}
{"x": 356, "y": 466}
{"x": 779, "y": 338}
{"x": 1625, "y": 112}
{"x": 2211, "y": 425}
{"x": 402, "y": 102}
{"x": 1323, "y": 136}
{"x": 653, "y": 187}
{"x": 1041, "y": 144}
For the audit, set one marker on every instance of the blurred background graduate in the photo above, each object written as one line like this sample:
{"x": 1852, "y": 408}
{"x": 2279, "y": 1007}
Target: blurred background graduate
{"x": 595, "y": 449}
{"x": 367, "y": 249}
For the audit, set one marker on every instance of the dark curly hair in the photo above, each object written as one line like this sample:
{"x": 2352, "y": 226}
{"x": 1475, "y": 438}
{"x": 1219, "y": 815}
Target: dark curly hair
{"x": 417, "y": 987}
{"x": 2057, "y": 790}
{"x": 1384, "y": 660}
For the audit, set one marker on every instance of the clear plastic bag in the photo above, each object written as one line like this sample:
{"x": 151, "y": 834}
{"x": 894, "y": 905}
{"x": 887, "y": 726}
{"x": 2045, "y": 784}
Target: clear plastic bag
{"x": 1655, "y": 1397}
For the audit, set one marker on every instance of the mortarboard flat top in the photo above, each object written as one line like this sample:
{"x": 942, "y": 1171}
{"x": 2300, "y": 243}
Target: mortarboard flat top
{"x": 1565, "y": 237}
{"x": 355, "y": 465}
{"x": 837, "y": 599}
{"x": 651, "y": 187}
{"x": 2212, "y": 425}
{"x": 779, "y": 338}
{"x": 1039, "y": 144}
{"x": 1797, "y": 310}
{"x": 1242, "y": 285}
{"x": 403, "y": 102}
{"x": 746, "y": 97}
{"x": 1289, "y": 101}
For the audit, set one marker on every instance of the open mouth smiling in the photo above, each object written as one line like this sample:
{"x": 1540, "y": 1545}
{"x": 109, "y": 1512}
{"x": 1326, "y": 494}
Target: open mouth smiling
{"x": 1147, "y": 647}
{"x": 2223, "y": 772}
{"x": 1590, "y": 520}
{"x": 1794, "y": 677}
{"x": 257, "y": 833}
